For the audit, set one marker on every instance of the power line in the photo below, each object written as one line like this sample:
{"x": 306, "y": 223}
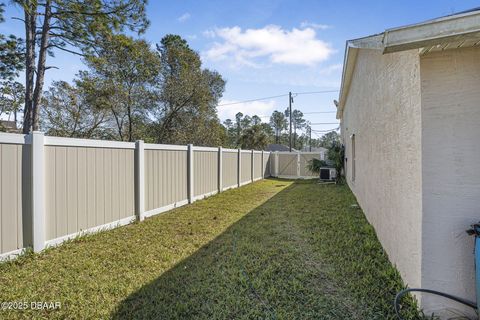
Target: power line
{"x": 316, "y": 112}
{"x": 318, "y": 134}
{"x": 325, "y": 131}
{"x": 322, "y": 123}
{"x": 316, "y": 92}
{"x": 252, "y": 100}
{"x": 277, "y": 96}
{"x": 319, "y": 112}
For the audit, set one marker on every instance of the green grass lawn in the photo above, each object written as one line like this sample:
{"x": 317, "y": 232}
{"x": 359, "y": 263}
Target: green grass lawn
{"x": 274, "y": 249}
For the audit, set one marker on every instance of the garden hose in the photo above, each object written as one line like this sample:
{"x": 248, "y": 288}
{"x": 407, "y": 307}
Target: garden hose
{"x": 474, "y": 231}
{"x": 400, "y": 295}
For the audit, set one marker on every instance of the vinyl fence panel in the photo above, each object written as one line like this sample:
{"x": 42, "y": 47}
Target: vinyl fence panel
{"x": 246, "y": 167}
{"x": 205, "y": 170}
{"x": 287, "y": 164}
{"x": 86, "y": 187}
{"x": 14, "y": 196}
{"x": 305, "y": 158}
{"x": 166, "y": 178}
{"x": 229, "y": 168}
{"x": 267, "y": 156}
{"x": 257, "y": 165}
{"x": 292, "y": 165}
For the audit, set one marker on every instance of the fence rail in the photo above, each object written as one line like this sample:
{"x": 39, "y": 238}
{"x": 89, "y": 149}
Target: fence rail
{"x": 53, "y": 189}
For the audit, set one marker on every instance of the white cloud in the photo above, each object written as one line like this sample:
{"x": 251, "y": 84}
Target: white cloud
{"x": 318, "y": 26}
{"x": 209, "y": 33}
{"x": 258, "y": 108}
{"x": 184, "y": 17}
{"x": 279, "y": 46}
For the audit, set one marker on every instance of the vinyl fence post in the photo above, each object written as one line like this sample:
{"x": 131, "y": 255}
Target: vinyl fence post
{"x": 220, "y": 169}
{"x": 253, "y": 164}
{"x": 38, "y": 190}
{"x": 140, "y": 179}
{"x": 190, "y": 173}
{"x": 239, "y": 167}
{"x": 263, "y": 165}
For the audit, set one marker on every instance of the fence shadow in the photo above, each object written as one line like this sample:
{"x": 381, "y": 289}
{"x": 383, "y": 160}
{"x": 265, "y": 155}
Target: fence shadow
{"x": 260, "y": 267}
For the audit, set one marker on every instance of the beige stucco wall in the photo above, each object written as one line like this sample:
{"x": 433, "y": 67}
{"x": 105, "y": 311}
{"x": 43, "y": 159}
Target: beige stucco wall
{"x": 383, "y": 111}
{"x": 451, "y": 175}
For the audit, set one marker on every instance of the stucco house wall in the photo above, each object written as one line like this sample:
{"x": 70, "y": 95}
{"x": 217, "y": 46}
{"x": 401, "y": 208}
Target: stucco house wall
{"x": 450, "y": 82}
{"x": 382, "y": 110}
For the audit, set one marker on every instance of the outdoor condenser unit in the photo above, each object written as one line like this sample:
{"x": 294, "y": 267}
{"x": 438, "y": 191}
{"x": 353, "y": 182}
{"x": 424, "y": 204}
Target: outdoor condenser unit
{"x": 328, "y": 174}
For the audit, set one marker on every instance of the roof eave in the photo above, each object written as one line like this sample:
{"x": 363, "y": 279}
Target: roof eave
{"x": 434, "y": 32}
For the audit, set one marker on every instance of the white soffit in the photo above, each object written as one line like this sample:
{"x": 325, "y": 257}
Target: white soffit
{"x": 453, "y": 31}
{"x": 450, "y": 32}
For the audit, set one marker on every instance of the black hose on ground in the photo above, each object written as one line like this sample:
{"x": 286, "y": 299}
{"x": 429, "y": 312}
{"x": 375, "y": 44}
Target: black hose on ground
{"x": 400, "y": 295}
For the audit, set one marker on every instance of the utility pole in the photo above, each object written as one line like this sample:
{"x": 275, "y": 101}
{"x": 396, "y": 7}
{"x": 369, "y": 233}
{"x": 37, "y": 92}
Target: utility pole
{"x": 290, "y": 116}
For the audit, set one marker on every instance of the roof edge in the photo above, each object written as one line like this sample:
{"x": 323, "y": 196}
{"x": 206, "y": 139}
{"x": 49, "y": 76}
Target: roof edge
{"x": 463, "y": 25}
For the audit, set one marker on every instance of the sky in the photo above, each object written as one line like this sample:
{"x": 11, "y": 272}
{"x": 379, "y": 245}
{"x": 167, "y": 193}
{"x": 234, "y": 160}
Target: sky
{"x": 270, "y": 47}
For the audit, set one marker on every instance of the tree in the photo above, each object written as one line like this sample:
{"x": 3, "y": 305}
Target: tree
{"x": 279, "y": 122}
{"x": 256, "y": 120}
{"x": 12, "y": 95}
{"x": 230, "y": 132}
{"x": 302, "y": 141}
{"x": 329, "y": 139}
{"x": 238, "y": 127}
{"x": 11, "y": 63}
{"x": 254, "y": 137}
{"x": 73, "y": 26}
{"x": 246, "y": 130}
{"x": 298, "y": 123}
{"x": 268, "y": 131}
{"x": 246, "y": 122}
{"x": 315, "y": 164}
{"x": 125, "y": 72}
{"x": 188, "y": 95}
{"x": 11, "y": 53}
{"x": 66, "y": 112}
{"x": 336, "y": 153}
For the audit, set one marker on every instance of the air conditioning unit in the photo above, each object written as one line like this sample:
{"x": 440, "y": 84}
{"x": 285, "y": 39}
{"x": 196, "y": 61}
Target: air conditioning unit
{"x": 328, "y": 174}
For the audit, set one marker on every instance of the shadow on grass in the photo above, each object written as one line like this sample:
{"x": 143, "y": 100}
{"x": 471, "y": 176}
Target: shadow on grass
{"x": 289, "y": 258}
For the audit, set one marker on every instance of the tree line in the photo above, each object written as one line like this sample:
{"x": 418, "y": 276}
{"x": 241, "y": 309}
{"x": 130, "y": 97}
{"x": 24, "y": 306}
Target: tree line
{"x": 249, "y": 132}
{"x": 130, "y": 89}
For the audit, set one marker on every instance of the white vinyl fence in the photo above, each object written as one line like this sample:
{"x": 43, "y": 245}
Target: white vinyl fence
{"x": 293, "y": 165}
{"x": 53, "y": 189}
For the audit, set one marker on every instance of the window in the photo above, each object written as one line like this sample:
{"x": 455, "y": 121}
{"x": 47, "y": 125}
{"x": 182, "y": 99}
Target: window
{"x": 353, "y": 157}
